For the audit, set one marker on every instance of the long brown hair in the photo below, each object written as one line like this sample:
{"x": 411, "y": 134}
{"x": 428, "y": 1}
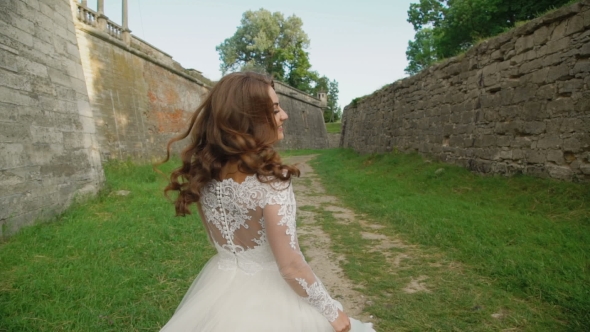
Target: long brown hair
{"x": 235, "y": 124}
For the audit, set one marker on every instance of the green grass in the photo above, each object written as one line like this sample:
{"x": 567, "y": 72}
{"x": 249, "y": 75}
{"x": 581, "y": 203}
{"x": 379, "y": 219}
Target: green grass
{"x": 334, "y": 127}
{"x": 528, "y": 239}
{"x": 116, "y": 263}
{"x": 517, "y": 246}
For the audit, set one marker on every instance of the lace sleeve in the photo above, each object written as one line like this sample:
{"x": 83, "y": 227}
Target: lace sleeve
{"x": 279, "y": 217}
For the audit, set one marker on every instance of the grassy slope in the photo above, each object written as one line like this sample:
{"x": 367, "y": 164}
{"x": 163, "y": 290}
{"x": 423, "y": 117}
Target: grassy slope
{"x": 122, "y": 263}
{"x": 334, "y": 127}
{"x": 117, "y": 263}
{"x": 529, "y": 237}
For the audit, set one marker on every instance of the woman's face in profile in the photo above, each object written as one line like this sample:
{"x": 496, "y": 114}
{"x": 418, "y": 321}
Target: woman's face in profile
{"x": 279, "y": 114}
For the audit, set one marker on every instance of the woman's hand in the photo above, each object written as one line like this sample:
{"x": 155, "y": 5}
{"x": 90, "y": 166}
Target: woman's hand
{"x": 342, "y": 323}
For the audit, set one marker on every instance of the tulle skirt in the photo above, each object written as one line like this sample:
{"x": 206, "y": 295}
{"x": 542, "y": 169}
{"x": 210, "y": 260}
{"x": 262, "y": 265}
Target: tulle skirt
{"x": 231, "y": 300}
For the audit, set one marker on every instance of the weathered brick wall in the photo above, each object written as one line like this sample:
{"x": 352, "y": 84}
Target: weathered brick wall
{"x": 48, "y": 151}
{"x": 305, "y": 128}
{"x": 517, "y": 103}
{"x": 139, "y": 100}
{"x": 142, "y": 99}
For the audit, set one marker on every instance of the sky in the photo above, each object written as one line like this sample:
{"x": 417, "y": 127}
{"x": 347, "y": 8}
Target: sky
{"x": 360, "y": 44}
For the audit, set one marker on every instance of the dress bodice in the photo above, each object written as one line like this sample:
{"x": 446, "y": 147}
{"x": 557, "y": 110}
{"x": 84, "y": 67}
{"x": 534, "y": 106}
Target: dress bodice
{"x": 252, "y": 226}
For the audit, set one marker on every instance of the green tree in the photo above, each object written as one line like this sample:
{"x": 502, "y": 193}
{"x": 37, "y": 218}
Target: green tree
{"x": 445, "y": 28}
{"x": 266, "y": 41}
{"x": 421, "y": 52}
{"x": 333, "y": 112}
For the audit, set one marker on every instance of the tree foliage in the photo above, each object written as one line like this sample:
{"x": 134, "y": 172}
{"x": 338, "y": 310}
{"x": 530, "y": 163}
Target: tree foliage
{"x": 445, "y": 28}
{"x": 269, "y": 43}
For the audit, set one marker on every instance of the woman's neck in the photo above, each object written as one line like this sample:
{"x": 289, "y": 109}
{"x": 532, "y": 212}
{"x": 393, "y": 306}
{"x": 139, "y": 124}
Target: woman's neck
{"x": 231, "y": 171}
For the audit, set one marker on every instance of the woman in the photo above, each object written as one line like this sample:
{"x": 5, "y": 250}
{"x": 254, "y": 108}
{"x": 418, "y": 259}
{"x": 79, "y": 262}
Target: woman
{"x": 259, "y": 280}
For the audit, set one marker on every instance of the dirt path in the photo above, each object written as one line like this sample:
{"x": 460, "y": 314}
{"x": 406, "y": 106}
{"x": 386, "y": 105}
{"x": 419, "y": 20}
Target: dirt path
{"x": 316, "y": 243}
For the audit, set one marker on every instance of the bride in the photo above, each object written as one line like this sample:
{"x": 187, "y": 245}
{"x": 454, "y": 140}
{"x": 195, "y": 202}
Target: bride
{"x": 259, "y": 279}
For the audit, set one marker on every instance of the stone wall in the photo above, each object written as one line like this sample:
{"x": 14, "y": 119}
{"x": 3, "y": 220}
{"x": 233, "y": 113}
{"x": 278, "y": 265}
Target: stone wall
{"x": 305, "y": 128}
{"x": 517, "y": 103}
{"x": 48, "y": 151}
{"x": 139, "y": 96}
{"x": 334, "y": 140}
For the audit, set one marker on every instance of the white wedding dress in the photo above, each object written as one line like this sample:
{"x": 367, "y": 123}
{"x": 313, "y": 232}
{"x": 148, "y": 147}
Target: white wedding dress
{"x": 258, "y": 280}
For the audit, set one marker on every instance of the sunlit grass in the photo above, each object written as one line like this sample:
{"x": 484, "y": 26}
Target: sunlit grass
{"x": 116, "y": 263}
{"x": 334, "y": 127}
{"x": 517, "y": 247}
{"x": 528, "y": 238}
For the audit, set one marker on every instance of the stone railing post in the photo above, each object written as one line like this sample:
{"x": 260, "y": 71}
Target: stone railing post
{"x": 126, "y": 36}
{"x": 102, "y": 19}
{"x": 84, "y": 3}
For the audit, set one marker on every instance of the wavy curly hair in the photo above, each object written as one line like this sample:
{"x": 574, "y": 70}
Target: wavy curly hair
{"x": 235, "y": 124}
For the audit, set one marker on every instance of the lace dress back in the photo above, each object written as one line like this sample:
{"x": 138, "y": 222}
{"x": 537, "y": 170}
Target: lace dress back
{"x": 258, "y": 281}
{"x": 252, "y": 225}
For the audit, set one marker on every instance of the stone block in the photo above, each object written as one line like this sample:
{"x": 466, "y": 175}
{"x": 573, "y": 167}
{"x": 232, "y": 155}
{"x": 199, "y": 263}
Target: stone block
{"x": 16, "y": 34}
{"x": 12, "y": 152}
{"x": 506, "y": 98}
{"x": 524, "y": 93}
{"x": 504, "y": 154}
{"x": 461, "y": 129}
{"x": 555, "y": 156}
{"x": 488, "y": 140}
{"x": 534, "y": 111}
{"x": 59, "y": 77}
{"x": 518, "y": 154}
{"x": 45, "y": 135}
{"x": 530, "y": 66}
{"x": 65, "y": 93}
{"x": 504, "y": 141}
{"x": 524, "y": 43}
{"x": 547, "y": 92}
{"x": 533, "y": 127}
{"x": 582, "y": 105}
{"x": 570, "y": 125}
{"x": 522, "y": 142}
{"x": 569, "y": 87}
{"x": 558, "y": 45}
{"x": 20, "y": 83}
{"x": 560, "y": 106}
{"x": 550, "y": 142}
{"x": 535, "y": 157}
{"x": 457, "y": 141}
{"x": 541, "y": 35}
{"x": 582, "y": 66}
{"x": 559, "y": 73}
{"x": 540, "y": 76}
{"x": 574, "y": 24}
{"x": 572, "y": 144}
{"x": 509, "y": 113}
{"x": 559, "y": 30}
{"x": 9, "y": 61}
{"x": 560, "y": 172}
{"x": 16, "y": 97}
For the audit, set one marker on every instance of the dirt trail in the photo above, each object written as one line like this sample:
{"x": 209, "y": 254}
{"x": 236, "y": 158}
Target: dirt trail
{"x": 316, "y": 243}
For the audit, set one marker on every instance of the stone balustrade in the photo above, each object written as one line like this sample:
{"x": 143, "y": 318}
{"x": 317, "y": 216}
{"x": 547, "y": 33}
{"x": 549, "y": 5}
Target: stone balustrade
{"x": 99, "y": 21}
{"x": 114, "y": 30}
{"x": 87, "y": 15}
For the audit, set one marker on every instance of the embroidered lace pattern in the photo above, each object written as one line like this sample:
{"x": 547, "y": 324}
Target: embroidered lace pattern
{"x": 252, "y": 225}
{"x": 319, "y": 298}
